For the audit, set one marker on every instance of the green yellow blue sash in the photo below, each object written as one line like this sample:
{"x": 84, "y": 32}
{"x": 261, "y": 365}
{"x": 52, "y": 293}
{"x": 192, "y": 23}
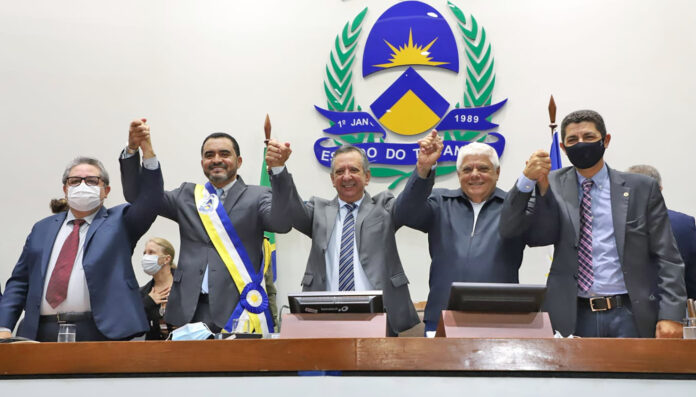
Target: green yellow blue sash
{"x": 253, "y": 300}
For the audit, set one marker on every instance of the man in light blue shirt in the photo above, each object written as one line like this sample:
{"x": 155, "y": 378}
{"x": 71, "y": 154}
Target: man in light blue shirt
{"x": 616, "y": 270}
{"x": 353, "y": 243}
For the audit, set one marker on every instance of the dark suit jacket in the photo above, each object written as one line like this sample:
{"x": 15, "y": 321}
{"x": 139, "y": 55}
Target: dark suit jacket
{"x": 684, "y": 231}
{"x": 113, "y": 290}
{"x": 458, "y": 251}
{"x": 374, "y": 237}
{"x": 252, "y": 210}
{"x": 652, "y": 268}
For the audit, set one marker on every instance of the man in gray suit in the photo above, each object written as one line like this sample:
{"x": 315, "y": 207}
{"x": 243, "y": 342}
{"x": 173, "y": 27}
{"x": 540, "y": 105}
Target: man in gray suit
{"x": 353, "y": 244}
{"x": 203, "y": 289}
{"x": 616, "y": 270}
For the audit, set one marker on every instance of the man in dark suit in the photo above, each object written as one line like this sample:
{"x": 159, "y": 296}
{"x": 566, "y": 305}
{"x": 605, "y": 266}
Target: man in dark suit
{"x": 76, "y": 265}
{"x": 684, "y": 229}
{"x": 353, "y": 244}
{"x": 462, "y": 223}
{"x": 203, "y": 288}
{"x": 616, "y": 270}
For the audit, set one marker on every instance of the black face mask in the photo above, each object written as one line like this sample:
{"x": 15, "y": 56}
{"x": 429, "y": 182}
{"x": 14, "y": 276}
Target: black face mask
{"x": 585, "y": 154}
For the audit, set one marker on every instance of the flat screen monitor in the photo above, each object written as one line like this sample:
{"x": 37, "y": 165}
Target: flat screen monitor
{"x": 336, "y": 302}
{"x": 496, "y": 297}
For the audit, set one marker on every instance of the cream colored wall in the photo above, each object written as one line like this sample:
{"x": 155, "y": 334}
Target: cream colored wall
{"x": 75, "y": 73}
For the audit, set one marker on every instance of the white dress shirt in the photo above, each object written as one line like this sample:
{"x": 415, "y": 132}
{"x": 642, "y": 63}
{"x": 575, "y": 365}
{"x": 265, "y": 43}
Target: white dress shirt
{"x": 77, "y": 299}
{"x": 362, "y": 283}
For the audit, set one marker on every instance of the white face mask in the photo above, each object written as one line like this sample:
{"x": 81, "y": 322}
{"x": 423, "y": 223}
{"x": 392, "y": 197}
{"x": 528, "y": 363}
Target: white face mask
{"x": 83, "y": 197}
{"x": 150, "y": 265}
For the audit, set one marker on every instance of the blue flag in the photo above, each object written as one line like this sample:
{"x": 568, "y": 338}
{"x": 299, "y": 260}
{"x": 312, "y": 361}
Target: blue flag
{"x": 555, "y": 153}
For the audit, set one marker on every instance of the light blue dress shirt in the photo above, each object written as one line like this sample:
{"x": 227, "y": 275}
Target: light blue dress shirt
{"x": 608, "y": 274}
{"x": 331, "y": 257}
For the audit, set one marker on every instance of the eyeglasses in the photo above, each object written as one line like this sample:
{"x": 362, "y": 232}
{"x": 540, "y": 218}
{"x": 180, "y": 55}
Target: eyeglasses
{"x": 77, "y": 180}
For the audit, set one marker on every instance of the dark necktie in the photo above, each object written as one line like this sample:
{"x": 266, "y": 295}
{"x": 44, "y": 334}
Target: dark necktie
{"x": 57, "y": 289}
{"x": 346, "y": 281}
{"x": 585, "y": 271}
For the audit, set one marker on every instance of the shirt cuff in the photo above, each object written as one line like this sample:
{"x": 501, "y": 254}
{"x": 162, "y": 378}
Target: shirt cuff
{"x": 126, "y": 155}
{"x": 525, "y": 185}
{"x": 151, "y": 163}
{"x": 277, "y": 170}
{"x": 3, "y": 329}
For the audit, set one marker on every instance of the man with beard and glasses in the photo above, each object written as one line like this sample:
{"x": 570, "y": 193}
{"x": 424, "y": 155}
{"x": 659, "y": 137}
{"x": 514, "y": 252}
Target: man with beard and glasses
{"x": 221, "y": 227}
{"x": 616, "y": 269}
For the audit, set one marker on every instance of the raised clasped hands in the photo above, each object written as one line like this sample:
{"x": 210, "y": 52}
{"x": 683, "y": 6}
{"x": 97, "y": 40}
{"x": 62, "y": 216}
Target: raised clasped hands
{"x": 429, "y": 152}
{"x": 139, "y": 137}
{"x": 537, "y": 169}
{"x": 277, "y": 153}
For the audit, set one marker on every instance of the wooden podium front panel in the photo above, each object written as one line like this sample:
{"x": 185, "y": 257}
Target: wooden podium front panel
{"x": 455, "y": 324}
{"x": 329, "y": 325}
{"x": 603, "y": 357}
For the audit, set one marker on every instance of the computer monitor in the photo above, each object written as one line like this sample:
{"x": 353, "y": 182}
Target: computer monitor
{"x": 496, "y": 297}
{"x": 336, "y": 302}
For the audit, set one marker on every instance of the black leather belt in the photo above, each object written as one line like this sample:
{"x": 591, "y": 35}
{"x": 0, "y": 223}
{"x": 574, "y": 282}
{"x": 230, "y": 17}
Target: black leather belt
{"x": 604, "y": 303}
{"x": 69, "y": 317}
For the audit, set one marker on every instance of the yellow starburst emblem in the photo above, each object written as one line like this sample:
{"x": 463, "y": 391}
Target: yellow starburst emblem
{"x": 410, "y": 54}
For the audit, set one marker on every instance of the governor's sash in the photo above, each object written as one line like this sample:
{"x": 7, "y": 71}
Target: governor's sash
{"x": 253, "y": 302}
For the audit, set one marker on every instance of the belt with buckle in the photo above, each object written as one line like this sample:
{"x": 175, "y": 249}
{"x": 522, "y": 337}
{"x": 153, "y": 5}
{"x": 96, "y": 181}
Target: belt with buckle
{"x": 69, "y": 317}
{"x": 604, "y": 303}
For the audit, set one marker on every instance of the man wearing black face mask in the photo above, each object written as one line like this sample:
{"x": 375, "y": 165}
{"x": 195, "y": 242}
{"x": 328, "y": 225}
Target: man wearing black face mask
{"x": 616, "y": 270}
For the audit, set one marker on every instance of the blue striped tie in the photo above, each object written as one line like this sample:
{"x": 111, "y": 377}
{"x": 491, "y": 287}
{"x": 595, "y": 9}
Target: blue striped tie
{"x": 346, "y": 280}
{"x": 585, "y": 270}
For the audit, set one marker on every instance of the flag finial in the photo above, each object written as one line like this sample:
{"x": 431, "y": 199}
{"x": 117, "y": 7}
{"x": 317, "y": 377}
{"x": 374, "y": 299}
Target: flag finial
{"x": 552, "y": 114}
{"x": 267, "y": 129}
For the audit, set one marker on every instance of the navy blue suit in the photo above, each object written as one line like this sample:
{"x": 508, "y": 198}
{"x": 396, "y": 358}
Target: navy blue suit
{"x": 113, "y": 289}
{"x": 684, "y": 229}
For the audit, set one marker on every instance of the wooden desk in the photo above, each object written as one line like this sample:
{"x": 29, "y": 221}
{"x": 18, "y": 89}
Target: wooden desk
{"x": 528, "y": 357}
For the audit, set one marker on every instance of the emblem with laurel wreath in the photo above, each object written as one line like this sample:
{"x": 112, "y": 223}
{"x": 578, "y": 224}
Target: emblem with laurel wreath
{"x": 480, "y": 81}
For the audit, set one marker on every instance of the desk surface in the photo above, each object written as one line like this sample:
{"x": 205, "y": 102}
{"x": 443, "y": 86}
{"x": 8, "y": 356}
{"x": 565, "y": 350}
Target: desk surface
{"x": 639, "y": 356}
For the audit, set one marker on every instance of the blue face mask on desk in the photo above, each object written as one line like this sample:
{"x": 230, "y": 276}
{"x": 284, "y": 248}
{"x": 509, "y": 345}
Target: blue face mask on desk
{"x": 192, "y": 331}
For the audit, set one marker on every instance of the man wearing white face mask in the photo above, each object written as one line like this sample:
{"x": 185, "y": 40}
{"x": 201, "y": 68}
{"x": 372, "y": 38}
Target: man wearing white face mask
{"x": 76, "y": 265}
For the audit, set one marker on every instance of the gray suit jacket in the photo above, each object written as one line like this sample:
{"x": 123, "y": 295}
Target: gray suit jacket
{"x": 652, "y": 267}
{"x": 374, "y": 237}
{"x": 252, "y": 210}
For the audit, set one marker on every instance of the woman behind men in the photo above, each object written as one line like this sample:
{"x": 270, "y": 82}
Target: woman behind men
{"x": 158, "y": 262}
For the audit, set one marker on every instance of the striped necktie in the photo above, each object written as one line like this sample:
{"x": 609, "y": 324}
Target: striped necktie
{"x": 585, "y": 271}
{"x": 346, "y": 281}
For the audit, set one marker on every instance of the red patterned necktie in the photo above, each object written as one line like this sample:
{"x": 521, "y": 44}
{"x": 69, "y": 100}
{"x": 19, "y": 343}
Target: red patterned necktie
{"x": 57, "y": 289}
{"x": 585, "y": 271}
